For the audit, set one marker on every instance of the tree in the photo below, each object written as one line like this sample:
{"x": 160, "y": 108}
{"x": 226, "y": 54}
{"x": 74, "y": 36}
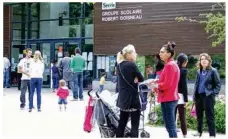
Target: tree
{"x": 214, "y": 23}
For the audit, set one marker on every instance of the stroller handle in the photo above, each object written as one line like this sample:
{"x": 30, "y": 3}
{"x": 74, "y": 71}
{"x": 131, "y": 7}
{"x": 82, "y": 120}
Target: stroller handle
{"x": 89, "y": 92}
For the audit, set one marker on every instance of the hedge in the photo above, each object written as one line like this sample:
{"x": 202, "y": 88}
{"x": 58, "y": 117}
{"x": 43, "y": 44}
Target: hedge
{"x": 220, "y": 118}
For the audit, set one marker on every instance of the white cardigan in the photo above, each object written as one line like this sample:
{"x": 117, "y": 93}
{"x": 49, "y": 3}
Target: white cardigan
{"x": 37, "y": 69}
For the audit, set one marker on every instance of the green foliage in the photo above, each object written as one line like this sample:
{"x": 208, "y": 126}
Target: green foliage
{"x": 220, "y": 117}
{"x": 192, "y": 73}
{"x": 214, "y": 23}
{"x": 219, "y": 60}
{"x": 140, "y": 62}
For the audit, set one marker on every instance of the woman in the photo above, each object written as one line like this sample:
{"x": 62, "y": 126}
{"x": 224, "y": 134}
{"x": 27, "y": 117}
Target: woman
{"x": 167, "y": 85}
{"x": 182, "y": 61}
{"x": 36, "y": 75}
{"x": 207, "y": 85}
{"x": 128, "y": 99}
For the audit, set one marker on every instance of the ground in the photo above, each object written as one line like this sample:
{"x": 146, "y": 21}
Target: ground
{"x": 51, "y": 121}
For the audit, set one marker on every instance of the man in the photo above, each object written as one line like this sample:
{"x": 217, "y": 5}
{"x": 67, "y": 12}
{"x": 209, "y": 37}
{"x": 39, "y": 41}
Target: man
{"x": 78, "y": 65}
{"x": 66, "y": 70}
{"x": 6, "y": 71}
{"x": 24, "y": 67}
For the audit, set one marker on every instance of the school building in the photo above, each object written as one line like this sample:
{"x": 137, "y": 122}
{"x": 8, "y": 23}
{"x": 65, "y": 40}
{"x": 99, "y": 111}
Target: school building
{"x": 101, "y": 30}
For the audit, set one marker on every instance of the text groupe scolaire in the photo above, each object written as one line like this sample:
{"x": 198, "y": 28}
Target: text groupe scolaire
{"x": 122, "y": 15}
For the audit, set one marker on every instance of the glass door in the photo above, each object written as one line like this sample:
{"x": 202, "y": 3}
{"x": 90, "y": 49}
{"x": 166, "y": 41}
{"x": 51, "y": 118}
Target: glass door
{"x": 45, "y": 49}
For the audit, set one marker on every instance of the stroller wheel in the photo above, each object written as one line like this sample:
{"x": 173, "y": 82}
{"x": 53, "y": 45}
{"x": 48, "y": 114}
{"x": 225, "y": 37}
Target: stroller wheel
{"x": 127, "y": 135}
{"x": 144, "y": 134}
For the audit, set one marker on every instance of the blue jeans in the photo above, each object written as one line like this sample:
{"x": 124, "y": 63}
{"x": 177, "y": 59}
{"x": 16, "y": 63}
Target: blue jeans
{"x": 78, "y": 83}
{"x": 55, "y": 81}
{"x": 168, "y": 113}
{"x": 101, "y": 88}
{"x": 62, "y": 101}
{"x": 6, "y": 79}
{"x": 35, "y": 83}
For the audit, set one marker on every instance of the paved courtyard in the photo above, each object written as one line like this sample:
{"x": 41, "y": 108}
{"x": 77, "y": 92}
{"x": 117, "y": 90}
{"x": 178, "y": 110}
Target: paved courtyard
{"x": 51, "y": 121}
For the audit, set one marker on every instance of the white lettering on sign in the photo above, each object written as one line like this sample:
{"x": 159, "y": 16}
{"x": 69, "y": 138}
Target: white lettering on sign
{"x": 135, "y": 14}
{"x": 108, "y": 5}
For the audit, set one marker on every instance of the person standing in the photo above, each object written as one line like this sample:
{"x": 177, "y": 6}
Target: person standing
{"x": 167, "y": 85}
{"x": 78, "y": 65}
{"x": 207, "y": 86}
{"x": 24, "y": 67}
{"x": 102, "y": 81}
{"x": 62, "y": 92}
{"x": 55, "y": 76}
{"x": 37, "y": 70}
{"x": 128, "y": 99}
{"x": 6, "y": 72}
{"x": 67, "y": 72}
{"x": 182, "y": 61}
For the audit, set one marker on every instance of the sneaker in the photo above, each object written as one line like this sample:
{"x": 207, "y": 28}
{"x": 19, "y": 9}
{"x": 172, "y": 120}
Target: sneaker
{"x": 178, "y": 130}
{"x": 74, "y": 99}
{"x": 39, "y": 110}
{"x": 81, "y": 99}
{"x": 30, "y": 110}
{"x": 197, "y": 134}
{"x": 22, "y": 106}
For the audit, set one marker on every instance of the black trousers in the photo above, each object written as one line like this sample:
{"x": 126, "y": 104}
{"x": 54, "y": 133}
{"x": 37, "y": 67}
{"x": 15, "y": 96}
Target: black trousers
{"x": 205, "y": 103}
{"x": 182, "y": 116}
{"x": 124, "y": 116}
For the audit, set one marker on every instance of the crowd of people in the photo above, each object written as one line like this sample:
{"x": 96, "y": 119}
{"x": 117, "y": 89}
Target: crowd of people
{"x": 169, "y": 81}
{"x": 69, "y": 74}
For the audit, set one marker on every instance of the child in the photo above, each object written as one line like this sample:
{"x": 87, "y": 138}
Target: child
{"x": 62, "y": 92}
{"x": 55, "y": 76}
{"x": 102, "y": 81}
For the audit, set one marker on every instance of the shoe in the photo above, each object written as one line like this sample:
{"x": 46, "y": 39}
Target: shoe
{"x": 39, "y": 110}
{"x": 81, "y": 99}
{"x": 22, "y": 106}
{"x": 197, "y": 134}
{"x": 30, "y": 110}
{"x": 74, "y": 99}
{"x": 178, "y": 130}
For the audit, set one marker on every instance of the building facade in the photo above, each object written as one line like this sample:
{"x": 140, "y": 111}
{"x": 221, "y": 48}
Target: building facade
{"x": 100, "y": 30}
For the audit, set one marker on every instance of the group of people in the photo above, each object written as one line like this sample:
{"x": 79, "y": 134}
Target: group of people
{"x": 69, "y": 73}
{"x": 170, "y": 84}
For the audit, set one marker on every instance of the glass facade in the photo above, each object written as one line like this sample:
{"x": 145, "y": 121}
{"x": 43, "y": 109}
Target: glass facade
{"x": 49, "y": 26}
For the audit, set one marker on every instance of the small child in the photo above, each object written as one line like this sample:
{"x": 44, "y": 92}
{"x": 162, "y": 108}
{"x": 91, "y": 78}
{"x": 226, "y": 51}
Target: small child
{"x": 62, "y": 92}
{"x": 102, "y": 81}
{"x": 55, "y": 76}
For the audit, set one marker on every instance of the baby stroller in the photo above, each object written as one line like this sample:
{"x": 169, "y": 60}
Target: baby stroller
{"x": 107, "y": 115}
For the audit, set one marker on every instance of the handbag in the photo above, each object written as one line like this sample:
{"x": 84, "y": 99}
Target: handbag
{"x": 193, "y": 111}
{"x": 142, "y": 101}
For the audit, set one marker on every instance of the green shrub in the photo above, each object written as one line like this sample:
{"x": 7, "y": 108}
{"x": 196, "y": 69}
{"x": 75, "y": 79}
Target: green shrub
{"x": 192, "y": 73}
{"x": 220, "y": 117}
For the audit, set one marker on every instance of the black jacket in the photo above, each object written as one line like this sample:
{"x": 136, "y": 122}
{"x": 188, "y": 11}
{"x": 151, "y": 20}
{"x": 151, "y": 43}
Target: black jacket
{"x": 182, "y": 85}
{"x": 128, "y": 97}
{"x": 212, "y": 83}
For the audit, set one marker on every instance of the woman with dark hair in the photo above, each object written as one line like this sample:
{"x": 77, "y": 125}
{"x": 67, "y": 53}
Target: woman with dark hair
{"x": 159, "y": 66}
{"x": 207, "y": 85}
{"x": 182, "y": 61}
{"x": 167, "y": 85}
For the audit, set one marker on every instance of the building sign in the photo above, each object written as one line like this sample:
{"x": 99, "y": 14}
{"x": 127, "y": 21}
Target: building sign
{"x": 108, "y": 5}
{"x": 131, "y": 14}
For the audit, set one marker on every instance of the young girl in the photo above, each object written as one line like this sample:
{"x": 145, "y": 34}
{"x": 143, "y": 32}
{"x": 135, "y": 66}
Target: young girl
{"x": 55, "y": 76}
{"x": 182, "y": 61}
{"x": 63, "y": 93}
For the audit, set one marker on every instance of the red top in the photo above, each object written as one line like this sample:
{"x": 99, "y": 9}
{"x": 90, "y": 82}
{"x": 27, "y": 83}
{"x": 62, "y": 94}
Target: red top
{"x": 168, "y": 82}
{"x": 63, "y": 92}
